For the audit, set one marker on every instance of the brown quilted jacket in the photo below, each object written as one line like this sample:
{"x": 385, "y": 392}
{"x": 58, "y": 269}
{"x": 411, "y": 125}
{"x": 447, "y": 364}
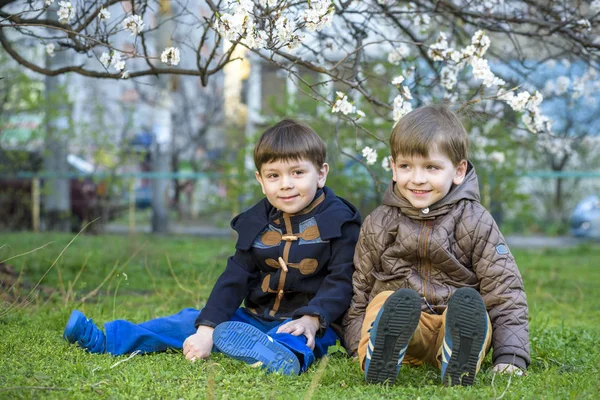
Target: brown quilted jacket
{"x": 455, "y": 243}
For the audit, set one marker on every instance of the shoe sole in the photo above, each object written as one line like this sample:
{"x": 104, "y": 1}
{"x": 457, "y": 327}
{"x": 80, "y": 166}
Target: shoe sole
{"x": 398, "y": 321}
{"x": 246, "y": 343}
{"x": 74, "y": 318}
{"x": 465, "y": 309}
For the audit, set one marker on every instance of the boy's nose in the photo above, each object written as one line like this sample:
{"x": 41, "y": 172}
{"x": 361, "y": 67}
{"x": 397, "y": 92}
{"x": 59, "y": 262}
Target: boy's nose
{"x": 418, "y": 176}
{"x": 286, "y": 182}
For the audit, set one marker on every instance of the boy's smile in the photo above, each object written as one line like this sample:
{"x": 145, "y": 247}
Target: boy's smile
{"x": 424, "y": 181}
{"x": 290, "y": 186}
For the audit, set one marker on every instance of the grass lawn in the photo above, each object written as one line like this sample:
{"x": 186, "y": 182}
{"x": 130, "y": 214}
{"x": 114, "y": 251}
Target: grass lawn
{"x": 142, "y": 277}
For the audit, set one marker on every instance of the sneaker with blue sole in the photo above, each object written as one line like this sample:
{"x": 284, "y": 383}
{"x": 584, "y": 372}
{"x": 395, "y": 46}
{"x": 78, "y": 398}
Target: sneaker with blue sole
{"x": 390, "y": 333}
{"x": 466, "y": 330}
{"x": 246, "y": 343}
{"x": 81, "y": 330}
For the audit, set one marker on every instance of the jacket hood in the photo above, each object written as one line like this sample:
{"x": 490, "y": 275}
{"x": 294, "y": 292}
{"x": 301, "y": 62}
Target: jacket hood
{"x": 468, "y": 190}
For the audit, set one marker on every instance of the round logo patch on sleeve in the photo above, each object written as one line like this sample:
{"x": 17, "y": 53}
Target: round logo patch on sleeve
{"x": 502, "y": 249}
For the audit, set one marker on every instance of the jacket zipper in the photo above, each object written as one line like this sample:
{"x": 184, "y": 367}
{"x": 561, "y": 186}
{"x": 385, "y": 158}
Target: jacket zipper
{"x": 424, "y": 259}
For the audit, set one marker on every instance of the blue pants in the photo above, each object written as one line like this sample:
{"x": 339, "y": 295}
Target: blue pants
{"x": 123, "y": 337}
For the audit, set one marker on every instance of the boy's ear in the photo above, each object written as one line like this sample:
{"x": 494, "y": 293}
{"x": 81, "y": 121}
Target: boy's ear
{"x": 259, "y": 179}
{"x": 461, "y": 172}
{"x": 323, "y": 175}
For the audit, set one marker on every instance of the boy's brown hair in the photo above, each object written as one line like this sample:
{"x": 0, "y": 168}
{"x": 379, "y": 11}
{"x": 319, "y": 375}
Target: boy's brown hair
{"x": 427, "y": 128}
{"x": 289, "y": 140}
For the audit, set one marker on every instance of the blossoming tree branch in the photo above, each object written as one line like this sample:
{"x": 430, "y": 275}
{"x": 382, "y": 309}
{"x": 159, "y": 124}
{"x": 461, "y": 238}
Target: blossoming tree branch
{"x": 420, "y": 50}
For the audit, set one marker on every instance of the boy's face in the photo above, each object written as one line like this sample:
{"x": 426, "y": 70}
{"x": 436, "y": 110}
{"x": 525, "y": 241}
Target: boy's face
{"x": 426, "y": 180}
{"x": 290, "y": 186}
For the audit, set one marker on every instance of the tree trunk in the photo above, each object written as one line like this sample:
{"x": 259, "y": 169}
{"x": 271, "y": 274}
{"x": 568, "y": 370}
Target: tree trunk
{"x": 57, "y": 199}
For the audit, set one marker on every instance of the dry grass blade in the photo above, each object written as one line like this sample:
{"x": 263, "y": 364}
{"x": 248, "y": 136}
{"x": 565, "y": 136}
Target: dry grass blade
{"x": 29, "y": 252}
{"x": 177, "y": 280}
{"x": 29, "y": 297}
{"x": 316, "y": 378}
{"x": 110, "y": 274}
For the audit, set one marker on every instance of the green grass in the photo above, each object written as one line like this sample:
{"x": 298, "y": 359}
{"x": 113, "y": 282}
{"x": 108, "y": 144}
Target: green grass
{"x": 35, "y": 362}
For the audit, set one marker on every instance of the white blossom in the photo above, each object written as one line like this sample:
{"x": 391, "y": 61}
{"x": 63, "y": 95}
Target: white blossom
{"x": 255, "y": 38}
{"x": 49, "y": 2}
{"x": 562, "y": 84}
{"x": 268, "y": 3}
{"x": 421, "y": 21}
{"x": 342, "y": 104}
{"x": 66, "y": 12}
{"x": 398, "y": 53}
{"x": 516, "y": 102}
{"x": 50, "y": 49}
{"x": 104, "y": 14}
{"x": 170, "y": 56}
{"x": 535, "y": 100}
{"x": 406, "y": 93}
{"x": 468, "y": 52}
{"x": 436, "y": 50}
{"x": 360, "y": 113}
{"x": 105, "y": 59}
{"x": 370, "y": 155}
{"x": 550, "y": 87}
{"x": 481, "y": 70}
{"x": 119, "y": 65}
{"x": 497, "y": 157}
{"x": 230, "y": 26}
{"x": 578, "y": 88}
{"x": 116, "y": 62}
{"x": 285, "y": 29}
{"x": 401, "y": 107}
{"x": 385, "y": 164}
{"x": 246, "y": 6}
{"x": 379, "y": 69}
{"x": 448, "y": 76}
{"x": 134, "y": 24}
{"x": 583, "y": 24}
{"x": 319, "y": 15}
{"x": 481, "y": 42}
{"x": 125, "y": 75}
{"x": 397, "y": 80}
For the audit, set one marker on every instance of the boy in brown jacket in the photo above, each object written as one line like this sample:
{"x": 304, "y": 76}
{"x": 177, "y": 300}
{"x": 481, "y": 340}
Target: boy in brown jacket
{"x": 435, "y": 281}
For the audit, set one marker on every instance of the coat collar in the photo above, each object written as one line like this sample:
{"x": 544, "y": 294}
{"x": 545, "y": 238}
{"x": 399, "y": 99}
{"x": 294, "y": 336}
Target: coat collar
{"x": 330, "y": 212}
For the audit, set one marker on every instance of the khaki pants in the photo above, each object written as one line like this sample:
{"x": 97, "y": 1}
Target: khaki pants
{"x": 425, "y": 346}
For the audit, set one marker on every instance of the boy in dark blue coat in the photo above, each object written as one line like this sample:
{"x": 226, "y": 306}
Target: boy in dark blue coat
{"x": 292, "y": 267}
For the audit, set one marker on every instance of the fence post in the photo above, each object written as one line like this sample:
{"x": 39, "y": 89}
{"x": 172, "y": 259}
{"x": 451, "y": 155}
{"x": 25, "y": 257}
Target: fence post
{"x": 131, "y": 207}
{"x": 35, "y": 204}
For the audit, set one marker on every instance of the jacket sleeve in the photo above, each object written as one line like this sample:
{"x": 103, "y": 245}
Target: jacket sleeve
{"x": 501, "y": 287}
{"x": 229, "y": 290}
{"x": 333, "y": 297}
{"x": 366, "y": 257}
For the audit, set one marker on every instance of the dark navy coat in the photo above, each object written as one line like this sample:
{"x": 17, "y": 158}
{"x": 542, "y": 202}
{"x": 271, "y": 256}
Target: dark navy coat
{"x": 316, "y": 247}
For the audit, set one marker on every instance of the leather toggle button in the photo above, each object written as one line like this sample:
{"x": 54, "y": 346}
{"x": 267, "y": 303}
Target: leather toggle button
{"x": 289, "y": 238}
{"x": 425, "y": 210}
{"x": 282, "y": 264}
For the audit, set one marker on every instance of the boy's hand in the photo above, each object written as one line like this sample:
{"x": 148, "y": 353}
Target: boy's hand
{"x": 307, "y": 326}
{"x": 199, "y": 345}
{"x": 508, "y": 369}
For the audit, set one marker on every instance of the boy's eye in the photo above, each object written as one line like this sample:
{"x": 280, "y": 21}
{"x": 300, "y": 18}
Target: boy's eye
{"x": 298, "y": 172}
{"x": 271, "y": 176}
{"x": 403, "y": 166}
{"x": 432, "y": 167}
